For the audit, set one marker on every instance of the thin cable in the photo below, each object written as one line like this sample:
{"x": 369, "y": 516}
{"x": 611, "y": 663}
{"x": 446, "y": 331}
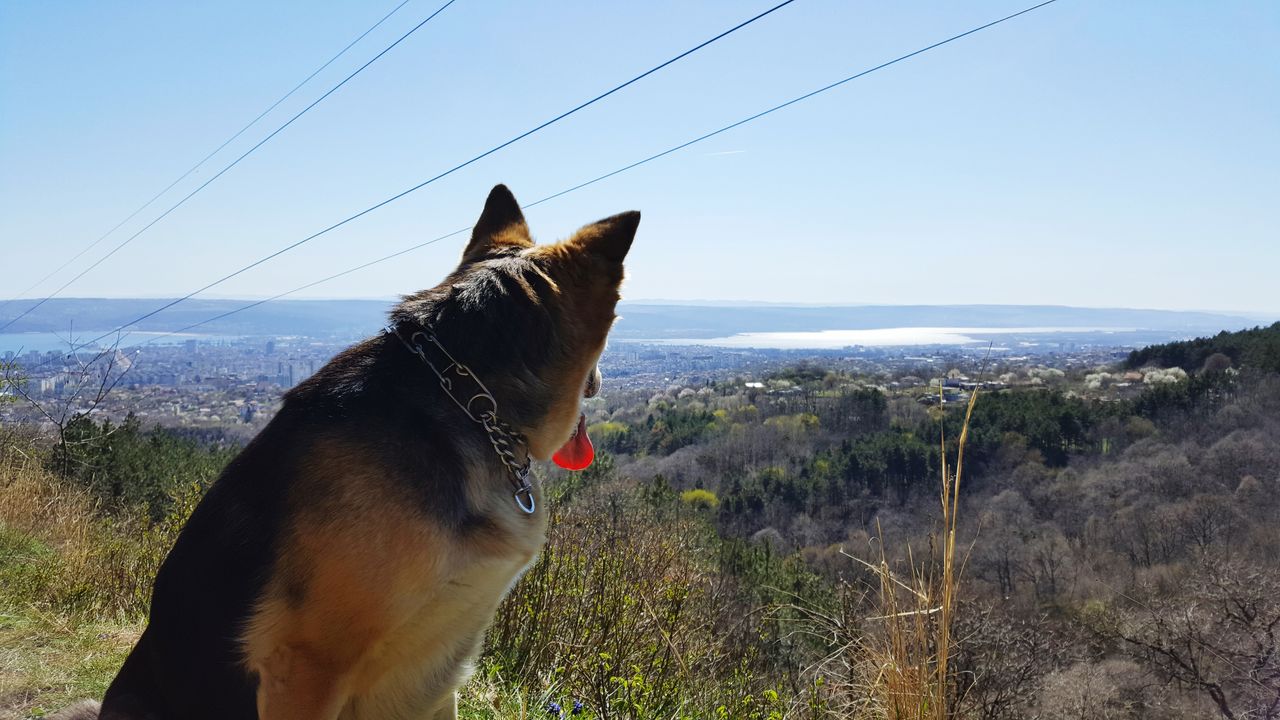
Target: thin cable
{"x": 312, "y": 284}
{"x": 388, "y": 200}
{"x": 790, "y": 102}
{"x": 625, "y": 168}
{"x": 453, "y": 169}
{"x": 429, "y": 181}
{"x": 579, "y": 186}
{"x": 206, "y": 158}
{"x": 235, "y": 162}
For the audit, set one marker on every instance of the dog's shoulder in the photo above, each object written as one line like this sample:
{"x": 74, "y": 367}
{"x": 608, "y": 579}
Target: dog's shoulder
{"x": 348, "y": 378}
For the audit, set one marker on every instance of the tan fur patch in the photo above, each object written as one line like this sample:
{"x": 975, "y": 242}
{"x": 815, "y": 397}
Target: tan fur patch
{"x": 372, "y": 596}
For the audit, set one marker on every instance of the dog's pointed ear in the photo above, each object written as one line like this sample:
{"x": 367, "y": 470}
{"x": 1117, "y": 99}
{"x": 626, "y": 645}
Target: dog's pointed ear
{"x": 611, "y": 237}
{"x": 500, "y": 223}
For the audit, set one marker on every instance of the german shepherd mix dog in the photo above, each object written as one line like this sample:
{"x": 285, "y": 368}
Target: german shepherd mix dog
{"x": 347, "y": 562}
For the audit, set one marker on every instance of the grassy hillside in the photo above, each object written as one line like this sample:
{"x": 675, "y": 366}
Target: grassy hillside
{"x": 782, "y": 548}
{"x": 638, "y": 608}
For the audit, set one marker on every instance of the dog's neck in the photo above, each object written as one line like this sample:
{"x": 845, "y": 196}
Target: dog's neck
{"x": 475, "y": 403}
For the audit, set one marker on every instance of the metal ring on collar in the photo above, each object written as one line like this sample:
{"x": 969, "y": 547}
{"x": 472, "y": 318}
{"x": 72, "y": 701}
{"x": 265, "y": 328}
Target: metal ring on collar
{"x": 525, "y": 501}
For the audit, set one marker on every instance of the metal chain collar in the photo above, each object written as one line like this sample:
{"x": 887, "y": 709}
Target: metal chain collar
{"x": 481, "y": 407}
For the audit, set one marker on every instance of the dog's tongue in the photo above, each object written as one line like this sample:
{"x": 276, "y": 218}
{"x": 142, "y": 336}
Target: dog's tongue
{"x": 578, "y": 452}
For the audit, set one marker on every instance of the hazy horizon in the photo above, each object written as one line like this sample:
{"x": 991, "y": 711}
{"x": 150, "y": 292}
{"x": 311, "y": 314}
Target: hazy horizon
{"x": 723, "y": 324}
{"x": 1260, "y": 314}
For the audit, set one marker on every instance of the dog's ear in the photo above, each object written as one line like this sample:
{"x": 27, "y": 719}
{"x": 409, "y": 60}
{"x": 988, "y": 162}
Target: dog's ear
{"x": 500, "y": 223}
{"x": 609, "y": 238}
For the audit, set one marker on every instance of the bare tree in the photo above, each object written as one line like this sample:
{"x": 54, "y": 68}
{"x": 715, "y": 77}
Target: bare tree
{"x": 79, "y": 387}
{"x": 1002, "y": 660}
{"x": 1217, "y": 637}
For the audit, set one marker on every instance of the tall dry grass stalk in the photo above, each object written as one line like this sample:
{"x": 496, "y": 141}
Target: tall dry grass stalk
{"x": 894, "y": 643}
{"x": 914, "y": 651}
{"x": 910, "y": 638}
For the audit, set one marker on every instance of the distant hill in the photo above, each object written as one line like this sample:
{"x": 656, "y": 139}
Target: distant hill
{"x": 1257, "y": 348}
{"x": 640, "y": 320}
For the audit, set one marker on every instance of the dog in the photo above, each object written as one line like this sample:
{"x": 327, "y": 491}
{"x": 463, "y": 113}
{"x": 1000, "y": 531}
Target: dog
{"x": 348, "y": 561}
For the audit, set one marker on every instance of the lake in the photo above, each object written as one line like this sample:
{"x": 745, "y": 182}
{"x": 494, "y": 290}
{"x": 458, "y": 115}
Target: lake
{"x": 44, "y": 342}
{"x": 882, "y": 337}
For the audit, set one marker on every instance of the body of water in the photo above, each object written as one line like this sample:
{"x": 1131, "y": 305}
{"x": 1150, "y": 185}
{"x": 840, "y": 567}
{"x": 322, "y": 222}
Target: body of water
{"x": 45, "y": 342}
{"x": 882, "y": 337}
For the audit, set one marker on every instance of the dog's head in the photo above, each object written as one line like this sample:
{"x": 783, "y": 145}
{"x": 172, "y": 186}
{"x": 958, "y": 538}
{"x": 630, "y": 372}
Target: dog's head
{"x": 531, "y": 320}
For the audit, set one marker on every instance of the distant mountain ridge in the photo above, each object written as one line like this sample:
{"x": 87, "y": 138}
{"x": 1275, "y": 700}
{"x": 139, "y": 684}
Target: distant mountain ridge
{"x": 640, "y": 320}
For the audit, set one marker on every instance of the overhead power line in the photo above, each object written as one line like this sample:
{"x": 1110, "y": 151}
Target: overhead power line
{"x": 625, "y": 168}
{"x": 793, "y": 101}
{"x": 430, "y": 180}
{"x": 221, "y": 172}
{"x": 206, "y": 158}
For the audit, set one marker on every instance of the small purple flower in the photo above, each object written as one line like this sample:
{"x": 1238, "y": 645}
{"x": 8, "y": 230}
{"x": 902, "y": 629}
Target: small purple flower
{"x": 577, "y": 707}
{"x": 554, "y": 709}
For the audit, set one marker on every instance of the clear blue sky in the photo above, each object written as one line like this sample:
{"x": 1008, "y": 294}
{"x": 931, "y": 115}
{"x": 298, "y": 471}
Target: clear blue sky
{"x": 1093, "y": 153}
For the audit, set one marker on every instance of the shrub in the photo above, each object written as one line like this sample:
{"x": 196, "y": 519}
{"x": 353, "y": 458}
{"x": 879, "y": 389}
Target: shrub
{"x": 625, "y": 612}
{"x": 700, "y": 499}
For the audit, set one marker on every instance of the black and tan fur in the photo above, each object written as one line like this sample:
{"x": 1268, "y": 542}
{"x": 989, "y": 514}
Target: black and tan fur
{"x": 347, "y": 562}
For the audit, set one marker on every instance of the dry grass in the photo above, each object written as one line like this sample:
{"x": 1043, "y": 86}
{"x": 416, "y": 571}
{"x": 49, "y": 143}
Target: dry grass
{"x": 59, "y": 552}
{"x": 892, "y": 645}
{"x": 64, "y": 629}
{"x": 915, "y": 681}
{"x": 34, "y": 504}
{"x": 48, "y": 661}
